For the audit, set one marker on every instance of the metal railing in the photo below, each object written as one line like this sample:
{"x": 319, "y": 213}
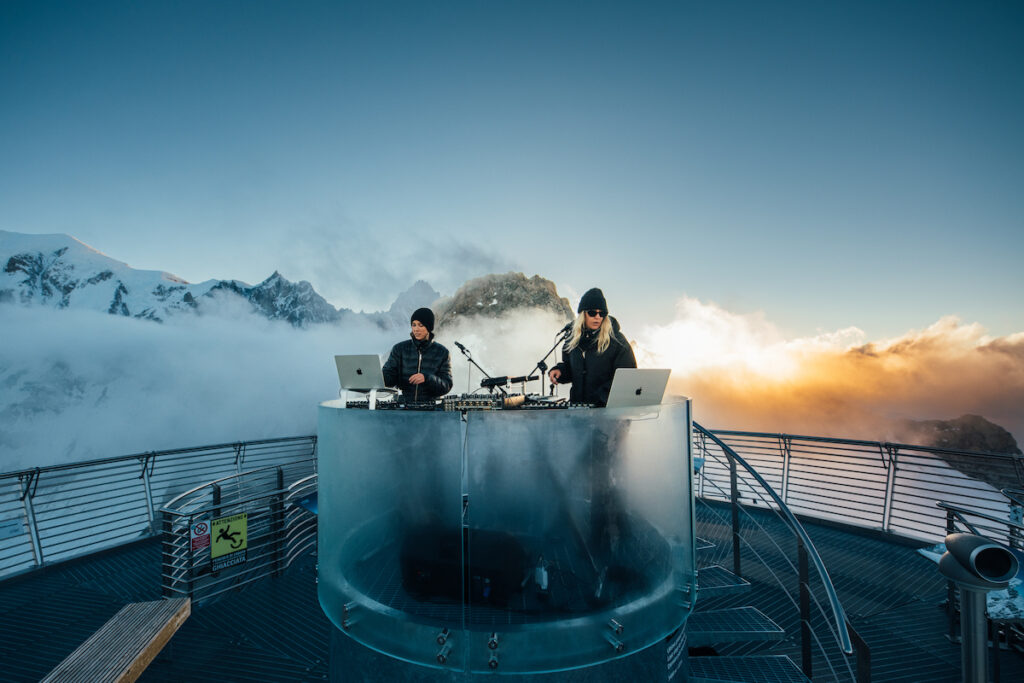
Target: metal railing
{"x": 889, "y": 487}
{"x": 51, "y": 514}
{"x": 1002, "y": 633}
{"x": 57, "y": 513}
{"x": 741, "y": 486}
{"x": 236, "y": 530}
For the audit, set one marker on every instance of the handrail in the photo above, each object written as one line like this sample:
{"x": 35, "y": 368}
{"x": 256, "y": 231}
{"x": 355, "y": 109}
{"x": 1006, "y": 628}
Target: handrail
{"x": 859, "y": 442}
{"x": 62, "y": 512}
{"x": 83, "y": 464}
{"x": 1016, "y": 496}
{"x": 977, "y": 513}
{"x": 169, "y": 506}
{"x": 791, "y": 521}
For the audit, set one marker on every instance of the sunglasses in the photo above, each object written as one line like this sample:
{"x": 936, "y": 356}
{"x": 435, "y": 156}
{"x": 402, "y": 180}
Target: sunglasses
{"x": 596, "y": 312}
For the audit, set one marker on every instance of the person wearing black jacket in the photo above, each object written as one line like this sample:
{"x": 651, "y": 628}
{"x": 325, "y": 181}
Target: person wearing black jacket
{"x": 420, "y": 367}
{"x": 596, "y": 349}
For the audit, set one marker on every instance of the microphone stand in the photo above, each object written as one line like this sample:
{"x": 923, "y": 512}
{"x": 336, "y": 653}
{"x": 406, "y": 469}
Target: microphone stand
{"x": 542, "y": 364}
{"x": 465, "y": 352}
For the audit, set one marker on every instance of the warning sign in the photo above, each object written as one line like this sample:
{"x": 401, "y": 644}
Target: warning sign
{"x": 199, "y": 532}
{"x": 229, "y": 540}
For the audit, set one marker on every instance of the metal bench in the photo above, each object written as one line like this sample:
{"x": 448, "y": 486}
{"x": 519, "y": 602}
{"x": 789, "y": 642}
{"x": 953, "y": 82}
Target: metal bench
{"x": 124, "y": 646}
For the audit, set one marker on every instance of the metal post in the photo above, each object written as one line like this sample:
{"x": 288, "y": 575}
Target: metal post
{"x": 863, "y": 654}
{"x": 191, "y": 555}
{"x": 216, "y": 499}
{"x": 993, "y": 635}
{"x": 735, "y": 496}
{"x": 951, "y": 611}
{"x": 805, "y": 611}
{"x": 890, "y": 483}
{"x": 973, "y": 640}
{"x": 239, "y": 457}
{"x": 277, "y": 521}
{"x": 146, "y": 473}
{"x": 704, "y": 452}
{"x": 167, "y": 555}
{"x": 27, "y": 494}
{"x": 785, "y": 445}
{"x": 1017, "y": 517}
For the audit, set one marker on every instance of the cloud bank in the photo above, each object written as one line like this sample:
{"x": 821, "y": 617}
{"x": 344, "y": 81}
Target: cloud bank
{"x": 76, "y": 385}
{"x": 743, "y": 374}
{"x": 367, "y": 269}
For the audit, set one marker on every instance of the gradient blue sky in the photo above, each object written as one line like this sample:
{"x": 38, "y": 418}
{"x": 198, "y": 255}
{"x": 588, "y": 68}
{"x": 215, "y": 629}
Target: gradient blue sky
{"x": 829, "y": 164}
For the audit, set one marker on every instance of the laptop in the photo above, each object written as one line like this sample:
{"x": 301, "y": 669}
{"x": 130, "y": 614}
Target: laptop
{"x": 361, "y": 374}
{"x": 637, "y": 387}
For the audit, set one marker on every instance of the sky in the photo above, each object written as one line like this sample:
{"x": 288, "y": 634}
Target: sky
{"x": 823, "y": 165}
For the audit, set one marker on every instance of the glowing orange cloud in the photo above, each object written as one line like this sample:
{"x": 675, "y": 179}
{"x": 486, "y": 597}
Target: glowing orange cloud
{"x": 742, "y": 374}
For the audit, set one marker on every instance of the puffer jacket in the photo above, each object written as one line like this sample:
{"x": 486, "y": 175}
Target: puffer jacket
{"x": 591, "y": 372}
{"x": 411, "y": 356}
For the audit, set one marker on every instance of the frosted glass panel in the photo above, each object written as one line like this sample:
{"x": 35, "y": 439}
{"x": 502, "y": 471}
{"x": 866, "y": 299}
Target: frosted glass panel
{"x": 523, "y": 541}
{"x": 389, "y": 483}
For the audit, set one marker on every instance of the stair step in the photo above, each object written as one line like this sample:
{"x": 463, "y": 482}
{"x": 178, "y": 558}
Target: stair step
{"x": 717, "y": 580}
{"x": 736, "y": 624}
{"x": 751, "y": 669}
{"x": 703, "y": 543}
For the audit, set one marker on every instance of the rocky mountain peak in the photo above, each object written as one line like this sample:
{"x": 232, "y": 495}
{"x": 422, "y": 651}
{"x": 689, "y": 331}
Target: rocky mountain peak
{"x": 494, "y": 295}
{"x": 419, "y": 295}
{"x": 964, "y": 433}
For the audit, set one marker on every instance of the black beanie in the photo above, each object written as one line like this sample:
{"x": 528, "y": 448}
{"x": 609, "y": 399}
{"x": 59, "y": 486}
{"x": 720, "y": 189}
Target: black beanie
{"x": 425, "y": 316}
{"x": 593, "y": 298}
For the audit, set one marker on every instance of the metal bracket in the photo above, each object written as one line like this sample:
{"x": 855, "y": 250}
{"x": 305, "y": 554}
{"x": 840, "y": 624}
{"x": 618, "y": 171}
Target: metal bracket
{"x": 786, "y": 446}
{"x": 148, "y": 459}
{"x": 31, "y": 483}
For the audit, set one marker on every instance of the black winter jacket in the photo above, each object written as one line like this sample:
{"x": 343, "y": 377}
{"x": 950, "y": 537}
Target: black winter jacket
{"x": 591, "y": 372}
{"x": 409, "y": 357}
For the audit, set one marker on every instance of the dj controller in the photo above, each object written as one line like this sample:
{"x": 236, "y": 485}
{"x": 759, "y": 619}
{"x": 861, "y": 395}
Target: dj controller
{"x": 475, "y": 402}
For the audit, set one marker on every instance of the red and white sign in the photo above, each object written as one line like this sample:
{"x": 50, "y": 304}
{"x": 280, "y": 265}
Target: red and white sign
{"x": 200, "y": 535}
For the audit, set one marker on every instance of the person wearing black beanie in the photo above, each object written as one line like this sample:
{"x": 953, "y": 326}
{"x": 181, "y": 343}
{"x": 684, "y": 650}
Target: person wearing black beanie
{"x": 419, "y": 366}
{"x": 594, "y": 351}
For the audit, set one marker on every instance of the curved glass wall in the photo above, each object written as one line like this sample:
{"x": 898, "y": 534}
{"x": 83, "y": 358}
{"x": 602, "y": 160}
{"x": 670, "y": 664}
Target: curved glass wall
{"x": 516, "y": 540}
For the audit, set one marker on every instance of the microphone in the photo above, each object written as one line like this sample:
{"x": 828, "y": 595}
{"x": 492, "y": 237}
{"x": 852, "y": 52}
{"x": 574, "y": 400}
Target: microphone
{"x": 462, "y": 348}
{"x": 567, "y": 329}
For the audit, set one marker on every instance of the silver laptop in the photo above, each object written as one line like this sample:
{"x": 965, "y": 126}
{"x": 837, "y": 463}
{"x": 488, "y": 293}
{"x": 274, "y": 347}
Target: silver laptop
{"x": 359, "y": 373}
{"x": 637, "y": 387}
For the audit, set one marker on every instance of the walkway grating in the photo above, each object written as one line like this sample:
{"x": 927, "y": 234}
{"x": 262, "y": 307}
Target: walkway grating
{"x": 730, "y": 625}
{"x": 717, "y": 580}
{"x": 757, "y": 669}
{"x": 274, "y": 629}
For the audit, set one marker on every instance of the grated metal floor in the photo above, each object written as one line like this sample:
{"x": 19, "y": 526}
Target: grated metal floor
{"x": 274, "y": 629}
{"x": 892, "y": 595}
{"x": 730, "y": 624}
{"x": 766, "y": 669}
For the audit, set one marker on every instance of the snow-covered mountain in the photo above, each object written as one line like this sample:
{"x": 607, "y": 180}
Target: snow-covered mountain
{"x": 58, "y": 271}
{"x": 86, "y": 371}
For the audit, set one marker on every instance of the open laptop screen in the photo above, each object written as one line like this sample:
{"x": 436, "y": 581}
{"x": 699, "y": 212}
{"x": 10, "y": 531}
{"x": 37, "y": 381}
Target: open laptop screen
{"x": 359, "y": 373}
{"x": 637, "y": 387}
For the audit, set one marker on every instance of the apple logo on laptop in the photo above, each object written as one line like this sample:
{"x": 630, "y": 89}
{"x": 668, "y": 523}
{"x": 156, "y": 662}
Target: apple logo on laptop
{"x": 639, "y": 390}
{"x": 359, "y": 371}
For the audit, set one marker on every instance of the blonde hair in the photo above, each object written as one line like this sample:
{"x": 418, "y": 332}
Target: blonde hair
{"x": 604, "y": 333}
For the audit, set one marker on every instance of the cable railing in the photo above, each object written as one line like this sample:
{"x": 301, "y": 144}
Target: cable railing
{"x": 884, "y": 486}
{"x": 236, "y": 530}
{"x": 52, "y": 514}
{"x": 57, "y": 513}
{"x": 739, "y": 522}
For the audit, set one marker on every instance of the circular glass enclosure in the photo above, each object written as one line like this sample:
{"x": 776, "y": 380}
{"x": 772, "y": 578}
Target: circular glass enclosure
{"x": 522, "y": 541}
